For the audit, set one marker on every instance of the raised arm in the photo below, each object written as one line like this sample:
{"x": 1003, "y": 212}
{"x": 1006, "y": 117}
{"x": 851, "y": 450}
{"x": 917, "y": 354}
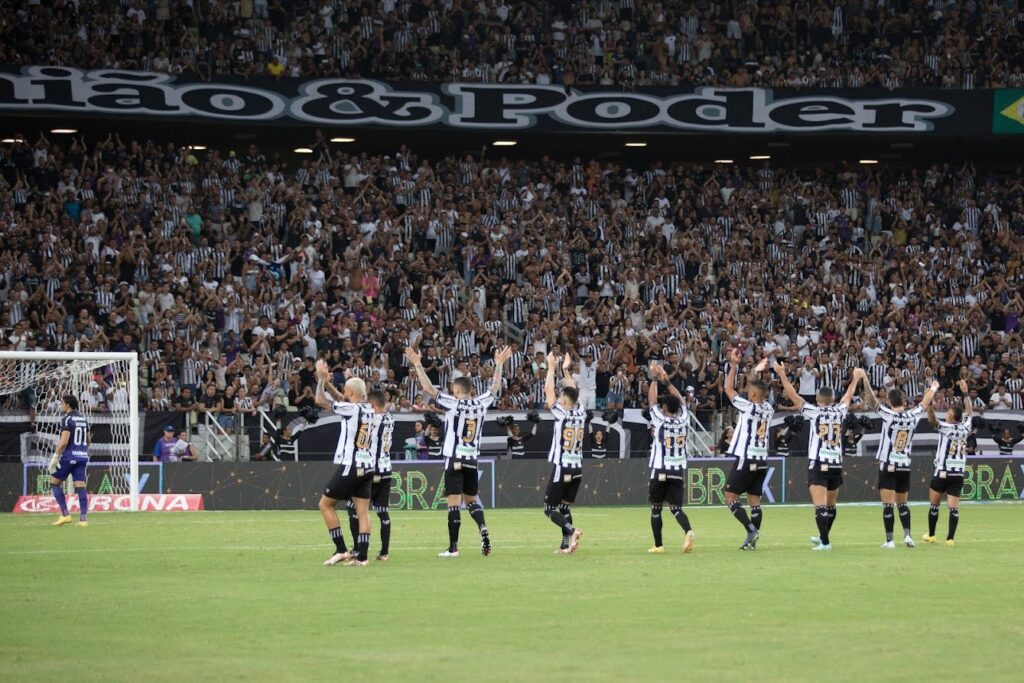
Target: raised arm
{"x": 567, "y": 379}
{"x": 730, "y": 379}
{"x": 787, "y": 387}
{"x": 652, "y": 392}
{"x": 662, "y": 376}
{"x": 870, "y": 399}
{"x": 325, "y": 393}
{"x": 851, "y": 391}
{"x": 968, "y": 406}
{"x": 500, "y": 358}
{"x": 932, "y": 419}
{"x": 549, "y": 381}
{"x": 929, "y": 395}
{"x": 416, "y": 360}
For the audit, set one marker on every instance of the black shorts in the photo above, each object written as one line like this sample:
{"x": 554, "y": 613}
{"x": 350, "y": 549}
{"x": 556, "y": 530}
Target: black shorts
{"x": 380, "y": 491}
{"x": 356, "y": 484}
{"x": 744, "y": 480}
{"x": 563, "y": 487}
{"x": 461, "y": 479}
{"x": 897, "y": 479}
{"x": 831, "y": 478}
{"x": 951, "y": 484}
{"x": 667, "y": 490}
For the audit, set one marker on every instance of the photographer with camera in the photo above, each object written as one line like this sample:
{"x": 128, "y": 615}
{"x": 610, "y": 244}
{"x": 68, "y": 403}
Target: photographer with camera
{"x": 516, "y": 438}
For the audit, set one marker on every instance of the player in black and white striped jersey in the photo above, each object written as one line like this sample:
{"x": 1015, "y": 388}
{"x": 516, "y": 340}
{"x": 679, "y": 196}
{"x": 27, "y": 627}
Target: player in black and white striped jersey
{"x": 566, "y": 452}
{"x": 824, "y": 448}
{"x": 353, "y": 479}
{"x": 749, "y": 445}
{"x": 898, "y": 425}
{"x": 950, "y": 463}
{"x": 463, "y": 421}
{"x": 670, "y": 423}
{"x": 380, "y": 446}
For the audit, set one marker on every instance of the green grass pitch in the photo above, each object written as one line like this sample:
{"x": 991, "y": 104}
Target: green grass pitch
{"x": 220, "y": 596}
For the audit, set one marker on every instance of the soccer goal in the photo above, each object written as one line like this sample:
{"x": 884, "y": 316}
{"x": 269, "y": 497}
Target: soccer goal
{"x": 107, "y": 388}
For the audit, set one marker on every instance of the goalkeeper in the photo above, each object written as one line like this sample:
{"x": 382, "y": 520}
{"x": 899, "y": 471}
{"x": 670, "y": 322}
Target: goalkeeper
{"x": 70, "y": 458}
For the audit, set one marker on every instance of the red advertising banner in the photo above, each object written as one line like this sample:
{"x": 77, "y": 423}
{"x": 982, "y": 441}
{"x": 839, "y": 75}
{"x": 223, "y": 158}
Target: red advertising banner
{"x": 148, "y": 502}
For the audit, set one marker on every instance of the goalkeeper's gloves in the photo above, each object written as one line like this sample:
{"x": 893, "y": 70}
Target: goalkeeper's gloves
{"x": 54, "y": 461}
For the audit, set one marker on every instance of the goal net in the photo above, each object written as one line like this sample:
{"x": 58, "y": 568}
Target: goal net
{"x": 106, "y": 386}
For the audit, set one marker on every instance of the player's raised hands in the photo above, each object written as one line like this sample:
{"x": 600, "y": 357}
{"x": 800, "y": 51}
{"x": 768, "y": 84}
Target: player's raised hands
{"x": 567, "y": 362}
{"x": 762, "y": 365}
{"x": 413, "y": 355}
{"x": 934, "y": 386}
{"x": 552, "y": 359}
{"x": 502, "y": 356}
{"x": 858, "y": 373}
{"x": 779, "y": 368}
{"x": 321, "y": 370}
{"x": 734, "y": 356}
{"x": 963, "y": 386}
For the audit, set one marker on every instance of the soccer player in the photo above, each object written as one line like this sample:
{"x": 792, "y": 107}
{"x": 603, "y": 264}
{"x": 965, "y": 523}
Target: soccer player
{"x": 950, "y": 463}
{"x": 463, "y": 420}
{"x": 380, "y": 493}
{"x": 670, "y": 422}
{"x": 353, "y": 480}
{"x": 824, "y": 448}
{"x": 380, "y": 446}
{"x": 898, "y": 425}
{"x": 749, "y": 445}
{"x": 566, "y": 452}
{"x": 70, "y": 458}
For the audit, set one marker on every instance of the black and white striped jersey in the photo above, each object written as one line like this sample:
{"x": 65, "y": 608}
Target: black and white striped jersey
{"x": 825, "y": 440}
{"x": 354, "y": 437}
{"x": 668, "y": 442}
{"x": 380, "y": 442}
{"x": 750, "y": 437}
{"x": 463, "y": 424}
{"x": 566, "y": 450}
{"x": 951, "y": 456}
{"x": 897, "y": 435}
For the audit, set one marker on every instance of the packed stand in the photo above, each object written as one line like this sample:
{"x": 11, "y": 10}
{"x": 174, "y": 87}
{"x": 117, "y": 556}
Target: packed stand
{"x": 623, "y": 43}
{"x": 230, "y": 273}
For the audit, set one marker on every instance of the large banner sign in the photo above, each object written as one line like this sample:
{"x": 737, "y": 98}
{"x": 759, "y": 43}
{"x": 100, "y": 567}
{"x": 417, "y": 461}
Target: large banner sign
{"x": 469, "y": 106}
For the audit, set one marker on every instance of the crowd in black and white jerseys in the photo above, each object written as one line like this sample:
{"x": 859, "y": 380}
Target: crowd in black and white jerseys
{"x": 795, "y": 43}
{"x": 911, "y": 272}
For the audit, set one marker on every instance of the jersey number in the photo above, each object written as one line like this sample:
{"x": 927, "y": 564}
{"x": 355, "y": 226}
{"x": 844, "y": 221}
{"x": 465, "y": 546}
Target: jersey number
{"x": 899, "y": 444}
{"x": 81, "y": 434}
{"x": 678, "y": 441}
{"x": 762, "y": 430}
{"x": 363, "y": 437}
{"x": 823, "y": 433}
{"x": 469, "y": 431}
{"x": 572, "y": 439}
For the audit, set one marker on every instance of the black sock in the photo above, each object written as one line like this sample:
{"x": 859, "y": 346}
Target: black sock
{"x": 933, "y": 519}
{"x": 888, "y": 518}
{"x": 362, "y": 546}
{"x": 559, "y": 520}
{"x": 736, "y": 508}
{"x": 566, "y": 512}
{"x": 821, "y": 519}
{"x": 681, "y": 517}
{"x": 656, "y": 525}
{"x": 385, "y": 530}
{"x": 831, "y": 510}
{"x": 954, "y": 519}
{"x": 755, "y": 516}
{"x": 338, "y": 538}
{"x": 454, "y": 521}
{"x": 476, "y": 511}
{"x": 904, "y": 511}
{"x": 353, "y": 522}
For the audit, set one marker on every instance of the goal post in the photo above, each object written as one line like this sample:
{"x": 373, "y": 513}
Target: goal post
{"x": 37, "y": 381}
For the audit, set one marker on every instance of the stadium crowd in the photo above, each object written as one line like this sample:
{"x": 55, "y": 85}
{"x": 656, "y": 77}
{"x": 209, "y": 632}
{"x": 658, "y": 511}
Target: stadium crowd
{"x": 628, "y": 43}
{"x": 230, "y": 272}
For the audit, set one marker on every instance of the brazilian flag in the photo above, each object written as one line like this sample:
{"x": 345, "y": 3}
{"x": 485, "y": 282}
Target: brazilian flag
{"x": 1008, "y": 111}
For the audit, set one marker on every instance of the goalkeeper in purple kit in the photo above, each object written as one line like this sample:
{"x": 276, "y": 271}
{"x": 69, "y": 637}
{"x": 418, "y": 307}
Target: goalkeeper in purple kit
{"x": 70, "y": 458}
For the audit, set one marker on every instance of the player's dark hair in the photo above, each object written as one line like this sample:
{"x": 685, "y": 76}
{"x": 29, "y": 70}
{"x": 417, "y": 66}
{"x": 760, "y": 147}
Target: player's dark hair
{"x": 826, "y": 395}
{"x": 571, "y": 393}
{"x": 71, "y": 402}
{"x": 896, "y": 398}
{"x": 760, "y": 385}
{"x": 377, "y": 398}
{"x": 670, "y": 403}
{"x": 462, "y": 384}
{"x": 957, "y": 413}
